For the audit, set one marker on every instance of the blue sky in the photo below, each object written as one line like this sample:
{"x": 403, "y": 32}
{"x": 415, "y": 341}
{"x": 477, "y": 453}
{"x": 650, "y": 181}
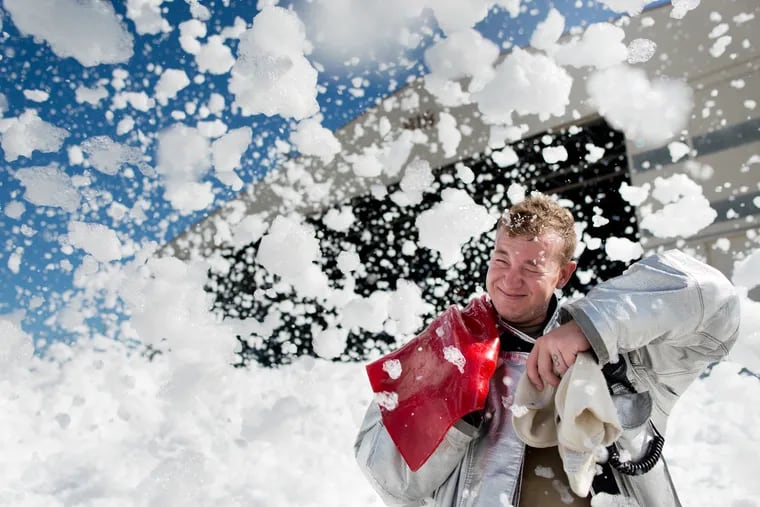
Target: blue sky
{"x": 27, "y": 64}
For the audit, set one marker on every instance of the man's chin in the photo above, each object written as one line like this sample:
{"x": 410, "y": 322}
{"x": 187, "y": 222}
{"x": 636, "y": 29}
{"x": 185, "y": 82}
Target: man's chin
{"x": 511, "y": 316}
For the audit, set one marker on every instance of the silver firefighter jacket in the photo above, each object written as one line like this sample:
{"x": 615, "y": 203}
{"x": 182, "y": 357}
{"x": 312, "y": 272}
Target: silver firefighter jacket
{"x": 668, "y": 316}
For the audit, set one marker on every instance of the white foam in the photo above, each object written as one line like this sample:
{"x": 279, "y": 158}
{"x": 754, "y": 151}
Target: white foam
{"x": 464, "y": 54}
{"x": 451, "y": 223}
{"x": 146, "y": 15}
{"x": 622, "y": 249}
{"x": 16, "y": 349}
{"x": 339, "y": 220}
{"x": 746, "y": 271}
{"x": 271, "y": 75}
{"x": 641, "y": 50}
{"x": 406, "y": 307}
{"x": 601, "y": 46}
{"x": 387, "y": 400}
{"x": 457, "y": 16}
{"x": 91, "y": 96}
{"x": 330, "y": 343}
{"x": 650, "y": 112}
{"x": 682, "y": 7}
{"x": 448, "y": 134}
{"x": 593, "y": 153}
{"x": 140, "y": 101}
{"x": 214, "y": 57}
{"x": 505, "y": 157}
{"x": 48, "y": 186}
{"x": 516, "y": 193}
{"x": 454, "y": 356}
{"x": 548, "y": 31}
{"x": 634, "y": 195}
{"x": 91, "y": 32}
{"x": 311, "y": 138}
{"x": 28, "y": 133}
{"x": 14, "y": 209}
{"x": 678, "y": 150}
{"x": 393, "y": 368}
{"x": 289, "y": 250}
{"x": 109, "y": 157}
{"x": 96, "y": 239}
{"x": 554, "y": 154}
{"x": 183, "y": 159}
{"x": 227, "y": 152}
{"x": 632, "y": 7}
{"x": 36, "y": 95}
{"x": 526, "y": 84}
{"x": 686, "y": 209}
{"x": 367, "y": 313}
{"x": 169, "y": 84}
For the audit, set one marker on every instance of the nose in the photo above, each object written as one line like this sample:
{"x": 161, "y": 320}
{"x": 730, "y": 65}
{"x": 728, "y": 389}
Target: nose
{"x": 511, "y": 278}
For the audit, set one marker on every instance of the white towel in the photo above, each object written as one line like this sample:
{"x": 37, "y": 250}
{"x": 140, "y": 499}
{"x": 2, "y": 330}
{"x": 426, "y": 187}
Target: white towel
{"x": 579, "y": 418}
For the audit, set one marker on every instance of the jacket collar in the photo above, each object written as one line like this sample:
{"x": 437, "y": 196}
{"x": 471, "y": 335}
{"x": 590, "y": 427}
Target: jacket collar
{"x": 550, "y": 323}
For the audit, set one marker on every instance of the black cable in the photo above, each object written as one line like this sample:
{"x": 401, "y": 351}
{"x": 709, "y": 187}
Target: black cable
{"x": 645, "y": 464}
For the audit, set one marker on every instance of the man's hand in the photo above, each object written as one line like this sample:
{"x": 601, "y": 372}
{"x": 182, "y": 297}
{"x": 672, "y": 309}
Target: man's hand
{"x": 554, "y": 353}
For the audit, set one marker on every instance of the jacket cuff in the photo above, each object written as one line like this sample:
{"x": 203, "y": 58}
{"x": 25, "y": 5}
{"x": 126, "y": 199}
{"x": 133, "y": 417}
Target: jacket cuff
{"x": 575, "y": 311}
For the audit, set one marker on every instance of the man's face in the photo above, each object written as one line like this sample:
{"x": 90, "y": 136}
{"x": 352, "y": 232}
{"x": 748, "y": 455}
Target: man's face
{"x": 522, "y": 275}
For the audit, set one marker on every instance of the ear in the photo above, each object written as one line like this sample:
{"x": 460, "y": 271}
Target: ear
{"x": 565, "y": 272}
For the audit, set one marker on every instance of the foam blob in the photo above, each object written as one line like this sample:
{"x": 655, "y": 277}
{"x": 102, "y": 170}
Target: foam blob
{"x": 89, "y": 31}
{"x": 451, "y": 223}
{"x": 28, "y": 133}
{"x": 650, "y": 112}
{"x": 526, "y": 84}
{"x": 271, "y": 76}
{"x": 48, "y": 186}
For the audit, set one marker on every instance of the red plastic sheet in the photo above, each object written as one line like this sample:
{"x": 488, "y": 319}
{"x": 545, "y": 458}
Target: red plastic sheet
{"x": 445, "y": 372}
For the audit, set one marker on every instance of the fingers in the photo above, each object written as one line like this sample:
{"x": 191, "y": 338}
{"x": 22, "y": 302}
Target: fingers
{"x": 559, "y": 365}
{"x": 554, "y": 353}
{"x": 567, "y": 358}
{"x": 532, "y": 370}
{"x": 540, "y": 368}
{"x": 546, "y": 368}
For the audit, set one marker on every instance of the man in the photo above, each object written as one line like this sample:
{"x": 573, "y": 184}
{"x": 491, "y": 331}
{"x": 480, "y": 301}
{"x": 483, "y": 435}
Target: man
{"x": 653, "y": 329}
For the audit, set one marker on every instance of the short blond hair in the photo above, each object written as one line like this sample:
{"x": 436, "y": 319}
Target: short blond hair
{"x": 538, "y": 214}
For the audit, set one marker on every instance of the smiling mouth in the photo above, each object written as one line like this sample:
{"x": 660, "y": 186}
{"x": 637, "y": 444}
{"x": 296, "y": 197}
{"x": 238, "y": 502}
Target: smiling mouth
{"x": 511, "y": 296}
